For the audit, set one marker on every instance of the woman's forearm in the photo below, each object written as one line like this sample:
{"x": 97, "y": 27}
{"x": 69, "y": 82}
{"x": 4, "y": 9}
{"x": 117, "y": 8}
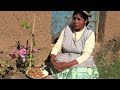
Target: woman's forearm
{"x": 52, "y": 57}
{"x": 70, "y": 64}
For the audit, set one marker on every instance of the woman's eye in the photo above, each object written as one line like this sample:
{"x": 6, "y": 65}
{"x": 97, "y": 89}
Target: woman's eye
{"x": 78, "y": 19}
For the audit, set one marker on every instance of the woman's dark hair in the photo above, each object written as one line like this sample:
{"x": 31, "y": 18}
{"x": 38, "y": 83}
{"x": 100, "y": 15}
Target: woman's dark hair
{"x": 83, "y": 15}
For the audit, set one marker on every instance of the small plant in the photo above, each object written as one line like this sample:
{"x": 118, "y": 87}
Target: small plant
{"x": 5, "y": 68}
{"x": 24, "y": 56}
{"x": 24, "y": 24}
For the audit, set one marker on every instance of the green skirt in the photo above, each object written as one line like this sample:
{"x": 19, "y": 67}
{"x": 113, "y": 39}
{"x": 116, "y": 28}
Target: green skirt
{"x": 76, "y": 73}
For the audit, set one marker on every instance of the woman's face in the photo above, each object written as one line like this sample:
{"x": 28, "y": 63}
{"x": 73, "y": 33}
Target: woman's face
{"x": 78, "y": 22}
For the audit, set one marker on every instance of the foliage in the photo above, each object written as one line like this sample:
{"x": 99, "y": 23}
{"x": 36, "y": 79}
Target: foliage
{"x": 107, "y": 70}
{"x": 24, "y": 24}
{"x": 110, "y": 71}
{"x": 5, "y": 68}
{"x": 24, "y": 56}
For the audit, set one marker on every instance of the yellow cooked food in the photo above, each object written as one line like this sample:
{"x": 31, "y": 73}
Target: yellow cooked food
{"x": 35, "y": 73}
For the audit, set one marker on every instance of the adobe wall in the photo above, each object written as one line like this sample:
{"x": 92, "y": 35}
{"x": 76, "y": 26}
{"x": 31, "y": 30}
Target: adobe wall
{"x": 112, "y": 29}
{"x": 112, "y": 25}
{"x": 109, "y": 32}
{"x": 11, "y": 31}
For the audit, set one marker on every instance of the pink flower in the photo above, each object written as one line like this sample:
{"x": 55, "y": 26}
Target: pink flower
{"x": 23, "y": 58}
{"x": 13, "y": 56}
{"x": 13, "y": 53}
{"x": 14, "y": 50}
{"x": 22, "y": 52}
{"x": 35, "y": 50}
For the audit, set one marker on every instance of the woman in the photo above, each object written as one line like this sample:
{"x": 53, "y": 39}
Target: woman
{"x": 71, "y": 57}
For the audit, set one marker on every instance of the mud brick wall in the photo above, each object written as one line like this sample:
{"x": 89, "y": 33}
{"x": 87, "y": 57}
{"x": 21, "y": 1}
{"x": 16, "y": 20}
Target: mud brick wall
{"x": 11, "y": 31}
{"x": 108, "y": 31}
{"x": 112, "y": 29}
{"x": 112, "y": 25}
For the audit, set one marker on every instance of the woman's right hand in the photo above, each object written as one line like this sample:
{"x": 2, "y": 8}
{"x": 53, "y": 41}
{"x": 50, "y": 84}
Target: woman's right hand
{"x": 58, "y": 66}
{"x": 54, "y": 63}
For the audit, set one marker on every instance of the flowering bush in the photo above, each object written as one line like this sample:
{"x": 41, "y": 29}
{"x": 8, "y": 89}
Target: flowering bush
{"x": 24, "y": 56}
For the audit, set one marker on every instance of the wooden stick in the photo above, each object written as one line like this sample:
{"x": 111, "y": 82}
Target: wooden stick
{"x": 111, "y": 48}
{"x": 32, "y": 35}
{"x": 33, "y": 25}
{"x": 97, "y": 24}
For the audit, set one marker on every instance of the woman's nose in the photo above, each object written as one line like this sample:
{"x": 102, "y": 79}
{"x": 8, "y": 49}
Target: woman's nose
{"x": 76, "y": 21}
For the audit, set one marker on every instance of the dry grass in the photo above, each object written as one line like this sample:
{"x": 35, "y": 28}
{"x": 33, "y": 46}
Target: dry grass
{"x": 108, "y": 62}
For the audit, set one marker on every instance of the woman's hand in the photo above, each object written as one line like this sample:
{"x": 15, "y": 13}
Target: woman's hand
{"x": 60, "y": 66}
{"x": 56, "y": 65}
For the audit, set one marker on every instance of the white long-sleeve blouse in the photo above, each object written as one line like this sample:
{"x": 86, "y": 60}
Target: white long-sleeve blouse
{"x": 89, "y": 45}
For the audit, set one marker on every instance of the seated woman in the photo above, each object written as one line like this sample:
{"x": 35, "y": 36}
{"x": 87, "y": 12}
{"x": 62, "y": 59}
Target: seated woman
{"x": 71, "y": 57}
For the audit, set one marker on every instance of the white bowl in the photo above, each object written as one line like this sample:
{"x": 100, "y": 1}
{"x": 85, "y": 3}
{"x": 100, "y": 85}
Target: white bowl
{"x": 44, "y": 71}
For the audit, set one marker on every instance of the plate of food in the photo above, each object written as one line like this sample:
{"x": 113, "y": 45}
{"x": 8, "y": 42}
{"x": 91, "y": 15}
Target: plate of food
{"x": 37, "y": 73}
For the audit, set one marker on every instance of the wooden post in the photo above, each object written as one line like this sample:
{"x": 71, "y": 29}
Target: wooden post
{"x": 97, "y": 24}
{"x": 32, "y": 36}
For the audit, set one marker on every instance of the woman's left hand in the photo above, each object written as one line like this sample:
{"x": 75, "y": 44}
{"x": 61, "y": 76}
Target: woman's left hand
{"x": 62, "y": 66}
{"x": 65, "y": 65}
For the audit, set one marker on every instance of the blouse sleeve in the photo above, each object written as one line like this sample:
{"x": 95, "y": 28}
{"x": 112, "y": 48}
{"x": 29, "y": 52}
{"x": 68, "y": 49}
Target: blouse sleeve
{"x": 87, "y": 51}
{"x": 58, "y": 45}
